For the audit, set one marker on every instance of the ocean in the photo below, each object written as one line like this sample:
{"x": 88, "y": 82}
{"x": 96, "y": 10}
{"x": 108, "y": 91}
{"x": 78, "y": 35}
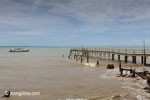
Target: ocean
{"x": 44, "y": 70}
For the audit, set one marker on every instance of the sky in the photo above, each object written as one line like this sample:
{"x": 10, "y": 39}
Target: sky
{"x": 74, "y": 22}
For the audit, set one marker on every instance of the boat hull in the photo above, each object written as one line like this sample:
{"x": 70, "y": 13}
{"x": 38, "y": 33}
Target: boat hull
{"x": 19, "y": 51}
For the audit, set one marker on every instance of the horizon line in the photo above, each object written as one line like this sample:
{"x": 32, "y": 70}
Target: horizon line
{"x": 72, "y": 46}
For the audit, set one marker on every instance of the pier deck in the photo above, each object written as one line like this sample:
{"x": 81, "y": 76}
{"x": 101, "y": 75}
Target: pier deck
{"x": 110, "y": 53}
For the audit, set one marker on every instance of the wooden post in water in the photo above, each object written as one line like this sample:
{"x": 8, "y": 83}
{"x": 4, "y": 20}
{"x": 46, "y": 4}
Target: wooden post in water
{"x": 108, "y": 55}
{"x": 133, "y": 59}
{"x": 81, "y": 59}
{"x": 100, "y": 55}
{"x": 112, "y": 56}
{"x": 142, "y": 59}
{"x": 126, "y": 58}
{"x": 120, "y": 66}
{"x": 118, "y": 57}
{"x": 144, "y": 54}
{"x": 70, "y": 54}
{"x": 76, "y": 57}
{"x": 97, "y": 63}
{"x": 133, "y": 71}
{"x": 121, "y": 71}
{"x": 87, "y": 58}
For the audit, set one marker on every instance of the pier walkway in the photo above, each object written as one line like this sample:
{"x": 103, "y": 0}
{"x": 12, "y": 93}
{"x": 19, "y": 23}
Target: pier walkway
{"x": 110, "y": 54}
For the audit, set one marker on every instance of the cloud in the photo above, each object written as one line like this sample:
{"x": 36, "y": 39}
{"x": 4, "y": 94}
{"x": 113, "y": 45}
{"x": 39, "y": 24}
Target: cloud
{"x": 81, "y": 19}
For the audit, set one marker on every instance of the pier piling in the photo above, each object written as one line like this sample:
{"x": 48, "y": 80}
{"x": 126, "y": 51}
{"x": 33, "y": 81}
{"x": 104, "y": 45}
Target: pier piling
{"x": 97, "y": 63}
{"x": 76, "y": 58}
{"x": 118, "y": 57}
{"x": 112, "y": 56}
{"x": 81, "y": 59}
{"x": 134, "y": 59}
{"x": 119, "y": 65}
{"x": 87, "y": 58}
{"x": 126, "y": 59}
{"x": 142, "y": 59}
{"x": 145, "y": 60}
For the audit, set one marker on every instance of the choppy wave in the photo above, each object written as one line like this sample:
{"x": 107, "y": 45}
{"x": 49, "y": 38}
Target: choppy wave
{"x": 116, "y": 97}
{"x": 134, "y": 85}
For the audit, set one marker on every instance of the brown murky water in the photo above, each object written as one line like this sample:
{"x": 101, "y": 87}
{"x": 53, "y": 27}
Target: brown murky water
{"x": 45, "y": 71}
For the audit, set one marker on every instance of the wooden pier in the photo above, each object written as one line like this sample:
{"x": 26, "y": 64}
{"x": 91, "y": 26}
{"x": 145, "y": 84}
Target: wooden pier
{"x": 110, "y": 54}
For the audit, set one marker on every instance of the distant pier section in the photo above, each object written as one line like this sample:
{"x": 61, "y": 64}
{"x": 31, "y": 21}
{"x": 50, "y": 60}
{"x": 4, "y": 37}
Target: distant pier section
{"x": 126, "y": 55}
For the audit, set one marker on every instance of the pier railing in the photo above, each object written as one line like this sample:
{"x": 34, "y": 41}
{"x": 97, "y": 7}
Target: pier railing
{"x": 113, "y": 50}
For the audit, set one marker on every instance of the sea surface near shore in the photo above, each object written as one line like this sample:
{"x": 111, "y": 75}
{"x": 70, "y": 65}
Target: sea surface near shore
{"x": 44, "y": 70}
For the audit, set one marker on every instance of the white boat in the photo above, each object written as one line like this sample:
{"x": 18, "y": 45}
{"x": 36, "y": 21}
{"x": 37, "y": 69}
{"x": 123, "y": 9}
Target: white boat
{"x": 18, "y": 50}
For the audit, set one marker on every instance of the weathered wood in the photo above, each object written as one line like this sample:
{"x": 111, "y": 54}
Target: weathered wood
{"x": 142, "y": 59}
{"x": 127, "y": 69}
{"x": 120, "y": 68}
{"x": 87, "y": 59}
{"x": 118, "y": 57}
{"x": 112, "y": 56}
{"x": 141, "y": 74}
{"x": 119, "y": 65}
{"x": 126, "y": 58}
{"x": 121, "y": 71}
{"x": 76, "y": 58}
{"x": 124, "y": 69}
{"x": 148, "y": 80}
{"x": 133, "y": 73}
{"x": 97, "y": 63}
{"x": 110, "y": 66}
{"x": 134, "y": 59}
{"x": 81, "y": 59}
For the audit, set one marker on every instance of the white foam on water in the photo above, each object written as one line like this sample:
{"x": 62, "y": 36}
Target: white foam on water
{"x": 90, "y": 64}
{"x": 111, "y": 74}
{"x": 115, "y": 97}
{"x": 134, "y": 85}
{"x": 141, "y": 69}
